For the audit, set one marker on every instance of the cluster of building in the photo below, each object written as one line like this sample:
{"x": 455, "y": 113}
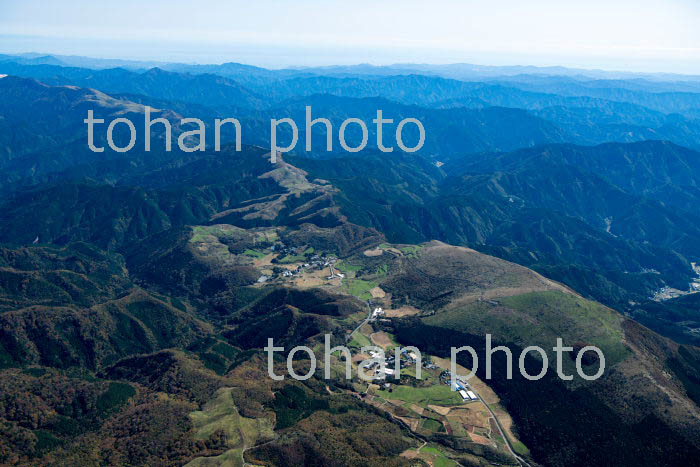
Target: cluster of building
{"x": 380, "y": 372}
{"x": 460, "y": 385}
{"x": 667, "y": 293}
{"x": 407, "y": 358}
{"x": 334, "y": 274}
{"x": 315, "y": 261}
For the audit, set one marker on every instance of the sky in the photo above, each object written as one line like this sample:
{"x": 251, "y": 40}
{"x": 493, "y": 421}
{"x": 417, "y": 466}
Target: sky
{"x": 624, "y": 35}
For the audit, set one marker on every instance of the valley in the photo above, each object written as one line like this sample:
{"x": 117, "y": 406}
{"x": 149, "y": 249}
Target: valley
{"x": 426, "y": 406}
{"x": 138, "y": 290}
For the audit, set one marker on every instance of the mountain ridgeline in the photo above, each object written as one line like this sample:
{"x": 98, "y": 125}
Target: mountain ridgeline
{"x": 138, "y": 288}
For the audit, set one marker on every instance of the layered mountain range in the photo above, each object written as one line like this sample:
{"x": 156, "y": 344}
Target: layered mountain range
{"x": 138, "y": 289}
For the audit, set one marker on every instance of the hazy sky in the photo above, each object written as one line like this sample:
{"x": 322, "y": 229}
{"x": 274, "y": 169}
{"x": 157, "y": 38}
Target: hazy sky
{"x": 640, "y": 35}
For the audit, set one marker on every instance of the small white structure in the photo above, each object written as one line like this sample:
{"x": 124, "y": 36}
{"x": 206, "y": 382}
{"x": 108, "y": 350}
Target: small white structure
{"x": 471, "y": 395}
{"x": 464, "y": 395}
{"x": 377, "y": 313}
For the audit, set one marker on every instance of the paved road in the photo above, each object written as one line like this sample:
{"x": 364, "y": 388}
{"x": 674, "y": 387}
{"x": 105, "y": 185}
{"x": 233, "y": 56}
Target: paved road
{"x": 519, "y": 459}
{"x": 369, "y": 315}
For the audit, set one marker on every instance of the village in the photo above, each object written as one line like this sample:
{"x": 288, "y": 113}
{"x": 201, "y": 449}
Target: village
{"x": 290, "y": 262}
{"x": 430, "y": 406}
{"x": 668, "y": 293}
{"x": 386, "y": 374}
{"x": 696, "y": 282}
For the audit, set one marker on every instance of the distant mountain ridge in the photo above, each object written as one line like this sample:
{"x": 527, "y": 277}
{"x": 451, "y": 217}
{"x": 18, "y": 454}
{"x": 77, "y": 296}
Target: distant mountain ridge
{"x": 626, "y": 228}
{"x": 456, "y": 70}
{"x": 586, "y": 112}
{"x": 138, "y": 289}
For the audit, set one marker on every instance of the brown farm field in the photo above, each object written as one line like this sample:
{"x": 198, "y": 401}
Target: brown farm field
{"x": 382, "y": 339}
{"x": 402, "y": 312}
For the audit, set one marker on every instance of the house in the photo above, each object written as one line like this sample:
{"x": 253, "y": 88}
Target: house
{"x": 381, "y": 374}
{"x": 376, "y": 313}
{"x": 369, "y": 365}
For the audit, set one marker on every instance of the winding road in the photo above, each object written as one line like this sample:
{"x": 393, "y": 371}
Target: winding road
{"x": 366, "y": 320}
{"x": 519, "y": 459}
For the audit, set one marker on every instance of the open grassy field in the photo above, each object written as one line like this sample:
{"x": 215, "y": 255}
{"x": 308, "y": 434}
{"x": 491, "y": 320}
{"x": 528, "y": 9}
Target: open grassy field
{"x": 359, "y": 288}
{"x": 436, "y": 395}
{"x": 231, "y": 458}
{"x": 267, "y": 235}
{"x": 348, "y": 268}
{"x": 202, "y": 233}
{"x": 359, "y": 340}
{"x": 290, "y": 259}
{"x": 221, "y": 414}
{"x": 254, "y": 253}
{"x": 436, "y": 457}
{"x": 411, "y": 250}
{"x": 538, "y": 318}
{"x": 432, "y": 425}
